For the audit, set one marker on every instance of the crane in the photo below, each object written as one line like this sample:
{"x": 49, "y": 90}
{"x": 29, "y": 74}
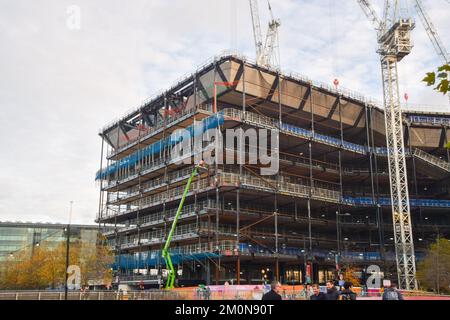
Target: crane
{"x": 165, "y": 251}
{"x": 431, "y": 31}
{"x": 394, "y": 40}
{"x": 265, "y": 52}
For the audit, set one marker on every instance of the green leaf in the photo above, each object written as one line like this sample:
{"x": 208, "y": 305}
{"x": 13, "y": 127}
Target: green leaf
{"x": 445, "y": 67}
{"x": 447, "y": 146}
{"x": 443, "y": 86}
{"x": 430, "y": 79}
{"x": 443, "y": 75}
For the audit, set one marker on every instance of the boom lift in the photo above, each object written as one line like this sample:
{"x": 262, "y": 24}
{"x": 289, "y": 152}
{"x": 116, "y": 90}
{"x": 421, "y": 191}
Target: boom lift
{"x": 165, "y": 251}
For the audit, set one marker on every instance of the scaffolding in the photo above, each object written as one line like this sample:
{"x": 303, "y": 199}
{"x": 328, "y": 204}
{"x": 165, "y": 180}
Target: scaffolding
{"x": 333, "y": 162}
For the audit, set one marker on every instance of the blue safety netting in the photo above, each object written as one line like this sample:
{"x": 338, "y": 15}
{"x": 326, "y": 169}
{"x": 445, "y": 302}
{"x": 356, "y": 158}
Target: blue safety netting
{"x": 169, "y": 142}
{"x": 430, "y": 120}
{"x": 386, "y": 202}
{"x": 325, "y": 139}
{"x": 145, "y": 260}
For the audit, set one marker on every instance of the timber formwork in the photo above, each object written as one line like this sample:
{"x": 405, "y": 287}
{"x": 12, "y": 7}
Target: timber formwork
{"x": 328, "y": 204}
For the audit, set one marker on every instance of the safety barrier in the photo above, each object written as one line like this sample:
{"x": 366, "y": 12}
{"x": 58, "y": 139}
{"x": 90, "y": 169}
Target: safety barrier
{"x": 159, "y": 147}
{"x": 386, "y": 202}
{"x": 430, "y": 120}
{"x": 148, "y": 132}
{"x": 435, "y": 161}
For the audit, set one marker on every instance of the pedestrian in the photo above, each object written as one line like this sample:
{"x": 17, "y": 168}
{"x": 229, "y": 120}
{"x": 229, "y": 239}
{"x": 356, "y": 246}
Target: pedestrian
{"x": 317, "y": 294}
{"x": 86, "y": 293}
{"x": 308, "y": 291}
{"x": 274, "y": 293}
{"x": 347, "y": 293}
{"x": 207, "y": 293}
{"x": 392, "y": 293}
{"x": 332, "y": 291}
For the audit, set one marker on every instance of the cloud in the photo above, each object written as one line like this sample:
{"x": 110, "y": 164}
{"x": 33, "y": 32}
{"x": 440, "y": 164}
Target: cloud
{"x": 59, "y": 86}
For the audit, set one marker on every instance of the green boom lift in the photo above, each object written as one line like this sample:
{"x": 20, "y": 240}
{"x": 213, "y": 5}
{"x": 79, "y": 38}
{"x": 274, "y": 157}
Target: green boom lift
{"x": 165, "y": 252}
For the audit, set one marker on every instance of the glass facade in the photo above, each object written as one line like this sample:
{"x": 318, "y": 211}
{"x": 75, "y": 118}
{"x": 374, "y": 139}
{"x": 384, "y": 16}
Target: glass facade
{"x": 21, "y": 238}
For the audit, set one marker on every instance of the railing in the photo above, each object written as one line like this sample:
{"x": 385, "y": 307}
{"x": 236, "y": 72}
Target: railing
{"x": 233, "y": 179}
{"x": 215, "y": 293}
{"x": 155, "y": 184}
{"x": 269, "y": 123}
{"x": 432, "y": 159}
{"x": 430, "y": 120}
{"x": 158, "y": 127}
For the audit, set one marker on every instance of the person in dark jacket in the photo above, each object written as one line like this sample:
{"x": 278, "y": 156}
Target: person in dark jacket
{"x": 347, "y": 293}
{"x": 317, "y": 294}
{"x": 391, "y": 293}
{"x": 332, "y": 291}
{"x": 273, "y": 294}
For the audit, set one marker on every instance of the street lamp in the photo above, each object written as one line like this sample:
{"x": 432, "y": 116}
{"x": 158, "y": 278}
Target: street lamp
{"x": 338, "y": 236}
{"x": 67, "y": 251}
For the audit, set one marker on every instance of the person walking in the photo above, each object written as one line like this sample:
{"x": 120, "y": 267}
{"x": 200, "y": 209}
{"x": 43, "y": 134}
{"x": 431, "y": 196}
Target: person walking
{"x": 332, "y": 291}
{"x": 317, "y": 295}
{"x": 392, "y": 293}
{"x": 274, "y": 293}
{"x": 347, "y": 293}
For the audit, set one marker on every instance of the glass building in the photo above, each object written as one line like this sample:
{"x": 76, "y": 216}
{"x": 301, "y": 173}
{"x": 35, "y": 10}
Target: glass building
{"x": 21, "y": 238}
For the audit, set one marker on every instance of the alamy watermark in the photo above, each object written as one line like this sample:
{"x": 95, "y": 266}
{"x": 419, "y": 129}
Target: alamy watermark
{"x": 240, "y": 147}
{"x": 73, "y": 21}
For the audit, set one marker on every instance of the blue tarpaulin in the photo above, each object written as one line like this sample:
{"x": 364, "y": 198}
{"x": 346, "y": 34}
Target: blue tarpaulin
{"x": 169, "y": 142}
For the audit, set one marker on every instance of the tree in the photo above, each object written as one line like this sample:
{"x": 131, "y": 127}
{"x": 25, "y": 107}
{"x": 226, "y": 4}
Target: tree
{"x": 433, "y": 272}
{"x": 441, "y": 77}
{"x": 350, "y": 276}
{"x": 45, "y": 266}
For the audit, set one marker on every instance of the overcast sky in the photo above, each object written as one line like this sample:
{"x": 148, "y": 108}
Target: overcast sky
{"x": 60, "y": 85}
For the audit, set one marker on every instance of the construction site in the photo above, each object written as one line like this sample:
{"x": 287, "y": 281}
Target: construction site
{"x": 357, "y": 186}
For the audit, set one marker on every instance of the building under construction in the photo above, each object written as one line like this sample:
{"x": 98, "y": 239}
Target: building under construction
{"x": 327, "y": 207}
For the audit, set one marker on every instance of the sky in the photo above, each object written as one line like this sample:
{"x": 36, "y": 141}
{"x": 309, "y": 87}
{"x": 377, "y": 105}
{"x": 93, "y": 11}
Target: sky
{"x": 61, "y": 81}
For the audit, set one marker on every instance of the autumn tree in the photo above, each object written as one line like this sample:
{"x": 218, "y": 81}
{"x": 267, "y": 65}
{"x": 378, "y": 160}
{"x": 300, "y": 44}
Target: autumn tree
{"x": 349, "y": 275}
{"x": 433, "y": 272}
{"x": 45, "y": 267}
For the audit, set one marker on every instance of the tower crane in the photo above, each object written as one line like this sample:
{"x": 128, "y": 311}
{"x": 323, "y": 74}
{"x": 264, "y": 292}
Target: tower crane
{"x": 431, "y": 31}
{"x": 265, "y": 52}
{"x": 394, "y": 43}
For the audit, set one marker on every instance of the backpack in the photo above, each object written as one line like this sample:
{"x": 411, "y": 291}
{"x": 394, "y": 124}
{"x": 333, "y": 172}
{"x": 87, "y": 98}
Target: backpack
{"x": 392, "y": 295}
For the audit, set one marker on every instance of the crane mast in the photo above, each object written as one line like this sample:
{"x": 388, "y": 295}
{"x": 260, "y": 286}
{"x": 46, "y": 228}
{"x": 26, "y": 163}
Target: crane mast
{"x": 256, "y": 28}
{"x": 394, "y": 39}
{"x": 265, "y": 52}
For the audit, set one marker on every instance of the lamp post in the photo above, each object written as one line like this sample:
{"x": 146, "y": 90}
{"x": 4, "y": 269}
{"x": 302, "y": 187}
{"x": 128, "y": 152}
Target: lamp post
{"x": 338, "y": 237}
{"x": 67, "y": 251}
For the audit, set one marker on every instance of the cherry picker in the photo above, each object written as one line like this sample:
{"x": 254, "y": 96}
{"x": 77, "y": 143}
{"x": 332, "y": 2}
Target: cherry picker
{"x": 165, "y": 251}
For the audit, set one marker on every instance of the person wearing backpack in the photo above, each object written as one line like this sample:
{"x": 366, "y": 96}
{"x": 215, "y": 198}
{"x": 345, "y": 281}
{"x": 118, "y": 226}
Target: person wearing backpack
{"x": 347, "y": 293}
{"x": 392, "y": 293}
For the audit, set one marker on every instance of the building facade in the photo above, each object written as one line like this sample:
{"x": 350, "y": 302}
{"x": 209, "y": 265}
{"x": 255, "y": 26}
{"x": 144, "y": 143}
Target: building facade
{"x": 328, "y": 205}
{"x": 20, "y": 239}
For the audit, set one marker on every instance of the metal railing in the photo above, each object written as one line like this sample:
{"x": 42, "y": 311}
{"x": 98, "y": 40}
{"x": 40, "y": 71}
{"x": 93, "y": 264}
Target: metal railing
{"x": 159, "y": 126}
{"x": 432, "y": 159}
{"x": 440, "y": 121}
